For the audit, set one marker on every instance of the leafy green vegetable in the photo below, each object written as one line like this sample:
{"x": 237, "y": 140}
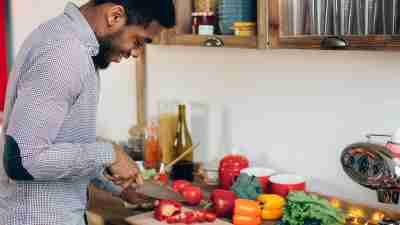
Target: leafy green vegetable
{"x": 302, "y": 207}
{"x": 247, "y": 187}
{"x": 147, "y": 174}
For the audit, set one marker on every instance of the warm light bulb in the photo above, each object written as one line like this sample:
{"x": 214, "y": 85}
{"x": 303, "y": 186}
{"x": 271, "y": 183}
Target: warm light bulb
{"x": 356, "y": 212}
{"x": 356, "y": 220}
{"x": 335, "y": 203}
{"x": 377, "y": 216}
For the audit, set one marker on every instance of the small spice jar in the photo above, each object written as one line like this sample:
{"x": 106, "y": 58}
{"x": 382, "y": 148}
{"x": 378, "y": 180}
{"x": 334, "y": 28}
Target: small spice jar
{"x": 204, "y": 23}
{"x": 245, "y": 29}
{"x": 205, "y": 5}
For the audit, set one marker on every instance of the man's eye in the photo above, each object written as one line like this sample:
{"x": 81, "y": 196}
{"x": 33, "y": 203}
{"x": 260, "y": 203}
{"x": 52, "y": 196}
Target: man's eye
{"x": 148, "y": 40}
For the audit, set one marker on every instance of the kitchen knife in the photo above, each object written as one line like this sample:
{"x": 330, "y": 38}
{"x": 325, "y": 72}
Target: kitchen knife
{"x": 156, "y": 190}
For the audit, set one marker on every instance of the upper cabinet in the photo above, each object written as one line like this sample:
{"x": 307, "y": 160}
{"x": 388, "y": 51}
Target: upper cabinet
{"x": 219, "y": 23}
{"x": 301, "y": 24}
{"x": 335, "y": 24}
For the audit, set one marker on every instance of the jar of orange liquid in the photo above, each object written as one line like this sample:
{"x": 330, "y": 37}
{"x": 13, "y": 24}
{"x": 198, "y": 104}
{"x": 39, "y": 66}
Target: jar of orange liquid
{"x": 152, "y": 150}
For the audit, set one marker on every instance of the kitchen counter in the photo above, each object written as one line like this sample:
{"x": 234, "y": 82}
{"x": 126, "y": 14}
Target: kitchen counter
{"x": 110, "y": 210}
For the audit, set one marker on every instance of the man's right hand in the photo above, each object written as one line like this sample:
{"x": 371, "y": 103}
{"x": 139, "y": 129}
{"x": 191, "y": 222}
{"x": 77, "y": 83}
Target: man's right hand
{"x": 124, "y": 171}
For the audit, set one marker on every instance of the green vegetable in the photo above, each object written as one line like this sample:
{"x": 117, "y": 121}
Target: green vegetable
{"x": 302, "y": 207}
{"x": 147, "y": 174}
{"x": 247, "y": 187}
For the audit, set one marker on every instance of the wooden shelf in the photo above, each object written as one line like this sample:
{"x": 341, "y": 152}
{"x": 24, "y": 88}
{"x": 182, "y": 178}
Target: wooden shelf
{"x": 372, "y": 42}
{"x": 375, "y": 42}
{"x": 229, "y": 41}
{"x": 260, "y": 41}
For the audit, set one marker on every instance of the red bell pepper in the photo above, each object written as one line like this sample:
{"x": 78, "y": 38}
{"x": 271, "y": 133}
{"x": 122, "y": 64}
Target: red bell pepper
{"x": 166, "y": 208}
{"x": 223, "y": 202}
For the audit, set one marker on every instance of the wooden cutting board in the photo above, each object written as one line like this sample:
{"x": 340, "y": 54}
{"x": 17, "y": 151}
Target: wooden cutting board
{"x": 148, "y": 219}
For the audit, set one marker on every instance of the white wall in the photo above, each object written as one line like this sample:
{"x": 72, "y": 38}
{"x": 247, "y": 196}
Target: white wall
{"x": 117, "y": 105}
{"x": 291, "y": 110}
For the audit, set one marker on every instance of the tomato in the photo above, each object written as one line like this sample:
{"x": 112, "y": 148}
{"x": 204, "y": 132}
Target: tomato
{"x": 179, "y": 185}
{"x": 190, "y": 218}
{"x": 223, "y": 202}
{"x": 192, "y": 195}
{"x": 201, "y": 215}
{"x": 210, "y": 217}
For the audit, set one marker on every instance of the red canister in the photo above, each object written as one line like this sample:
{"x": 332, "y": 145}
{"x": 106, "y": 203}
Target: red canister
{"x": 229, "y": 169}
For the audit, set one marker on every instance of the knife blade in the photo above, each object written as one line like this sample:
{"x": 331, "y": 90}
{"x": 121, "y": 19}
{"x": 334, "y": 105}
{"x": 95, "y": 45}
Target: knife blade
{"x": 155, "y": 190}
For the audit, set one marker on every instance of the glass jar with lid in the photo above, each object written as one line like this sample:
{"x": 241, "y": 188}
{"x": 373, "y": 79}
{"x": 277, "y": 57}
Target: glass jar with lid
{"x": 204, "y": 23}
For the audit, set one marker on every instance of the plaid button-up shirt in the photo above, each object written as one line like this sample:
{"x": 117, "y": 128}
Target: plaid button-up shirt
{"x": 51, "y": 109}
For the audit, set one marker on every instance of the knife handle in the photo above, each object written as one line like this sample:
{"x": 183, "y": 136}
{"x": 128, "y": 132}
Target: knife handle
{"x": 181, "y": 157}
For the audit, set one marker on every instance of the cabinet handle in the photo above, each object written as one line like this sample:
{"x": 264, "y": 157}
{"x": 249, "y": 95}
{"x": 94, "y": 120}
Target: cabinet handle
{"x": 213, "y": 42}
{"x": 334, "y": 43}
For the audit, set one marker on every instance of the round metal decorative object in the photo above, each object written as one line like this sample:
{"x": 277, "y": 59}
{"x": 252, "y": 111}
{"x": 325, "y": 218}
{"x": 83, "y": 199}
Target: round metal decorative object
{"x": 370, "y": 165}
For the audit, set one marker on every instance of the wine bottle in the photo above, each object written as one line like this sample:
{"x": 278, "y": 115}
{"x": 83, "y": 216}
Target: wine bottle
{"x": 183, "y": 139}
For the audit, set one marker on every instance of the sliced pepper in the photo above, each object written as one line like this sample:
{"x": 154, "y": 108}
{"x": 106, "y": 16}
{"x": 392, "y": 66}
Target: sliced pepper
{"x": 166, "y": 208}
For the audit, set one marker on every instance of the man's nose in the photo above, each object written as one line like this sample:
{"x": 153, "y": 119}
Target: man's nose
{"x": 137, "y": 52}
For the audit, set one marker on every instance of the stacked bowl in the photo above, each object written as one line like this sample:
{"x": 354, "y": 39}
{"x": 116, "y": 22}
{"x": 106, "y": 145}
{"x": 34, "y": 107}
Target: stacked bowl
{"x": 230, "y": 11}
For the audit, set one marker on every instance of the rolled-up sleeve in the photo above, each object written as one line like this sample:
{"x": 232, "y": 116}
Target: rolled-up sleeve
{"x": 45, "y": 96}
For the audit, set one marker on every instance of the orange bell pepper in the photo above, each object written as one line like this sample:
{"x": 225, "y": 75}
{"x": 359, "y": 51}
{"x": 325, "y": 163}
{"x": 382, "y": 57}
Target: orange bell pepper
{"x": 246, "y": 220}
{"x": 246, "y": 207}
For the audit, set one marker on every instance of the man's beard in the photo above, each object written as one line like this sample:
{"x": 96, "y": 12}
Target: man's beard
{"x": 102, "y": 60}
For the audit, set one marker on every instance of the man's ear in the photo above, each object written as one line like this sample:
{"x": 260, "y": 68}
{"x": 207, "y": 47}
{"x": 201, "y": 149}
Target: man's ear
{"x": 115, "y": 17}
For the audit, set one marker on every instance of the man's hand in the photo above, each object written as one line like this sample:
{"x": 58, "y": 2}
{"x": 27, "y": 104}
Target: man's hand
{"x": 131, "y": 196}
{"x": 124, "y": 171}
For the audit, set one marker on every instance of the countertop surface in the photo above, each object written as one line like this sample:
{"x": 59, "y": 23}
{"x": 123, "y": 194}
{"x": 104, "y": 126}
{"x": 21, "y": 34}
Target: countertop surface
{"x": 111, "y": 209}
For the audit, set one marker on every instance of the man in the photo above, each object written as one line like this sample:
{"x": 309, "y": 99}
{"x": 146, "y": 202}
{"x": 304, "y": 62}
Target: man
{"x": 50, "y": 152}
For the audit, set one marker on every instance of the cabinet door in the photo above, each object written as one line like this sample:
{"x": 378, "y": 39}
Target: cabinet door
{"x": 335, "y": 24}
{"x": 185, "y": 34}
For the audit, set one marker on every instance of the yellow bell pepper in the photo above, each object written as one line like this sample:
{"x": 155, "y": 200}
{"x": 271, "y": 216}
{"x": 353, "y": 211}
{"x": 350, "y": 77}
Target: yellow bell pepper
{"x": 272, "y": 201}
{"x": 272, "y": 206}
{"x": 272, "y": 214}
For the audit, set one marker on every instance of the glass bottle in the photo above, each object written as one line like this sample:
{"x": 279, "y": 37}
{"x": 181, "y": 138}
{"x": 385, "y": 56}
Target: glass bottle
{"x": 152, "y": 150}
{"x": 183, "y": 138}
{"x": 168, "y": 119}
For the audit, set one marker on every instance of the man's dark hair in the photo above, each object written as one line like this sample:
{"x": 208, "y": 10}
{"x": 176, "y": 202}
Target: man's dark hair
{"x": 143, "y": 12}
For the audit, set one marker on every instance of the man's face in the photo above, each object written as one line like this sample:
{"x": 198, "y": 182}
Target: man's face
{"x": 125, "y": 42}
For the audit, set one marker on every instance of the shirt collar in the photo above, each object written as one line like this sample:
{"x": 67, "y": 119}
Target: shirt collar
{"x": 82, "y": 28}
